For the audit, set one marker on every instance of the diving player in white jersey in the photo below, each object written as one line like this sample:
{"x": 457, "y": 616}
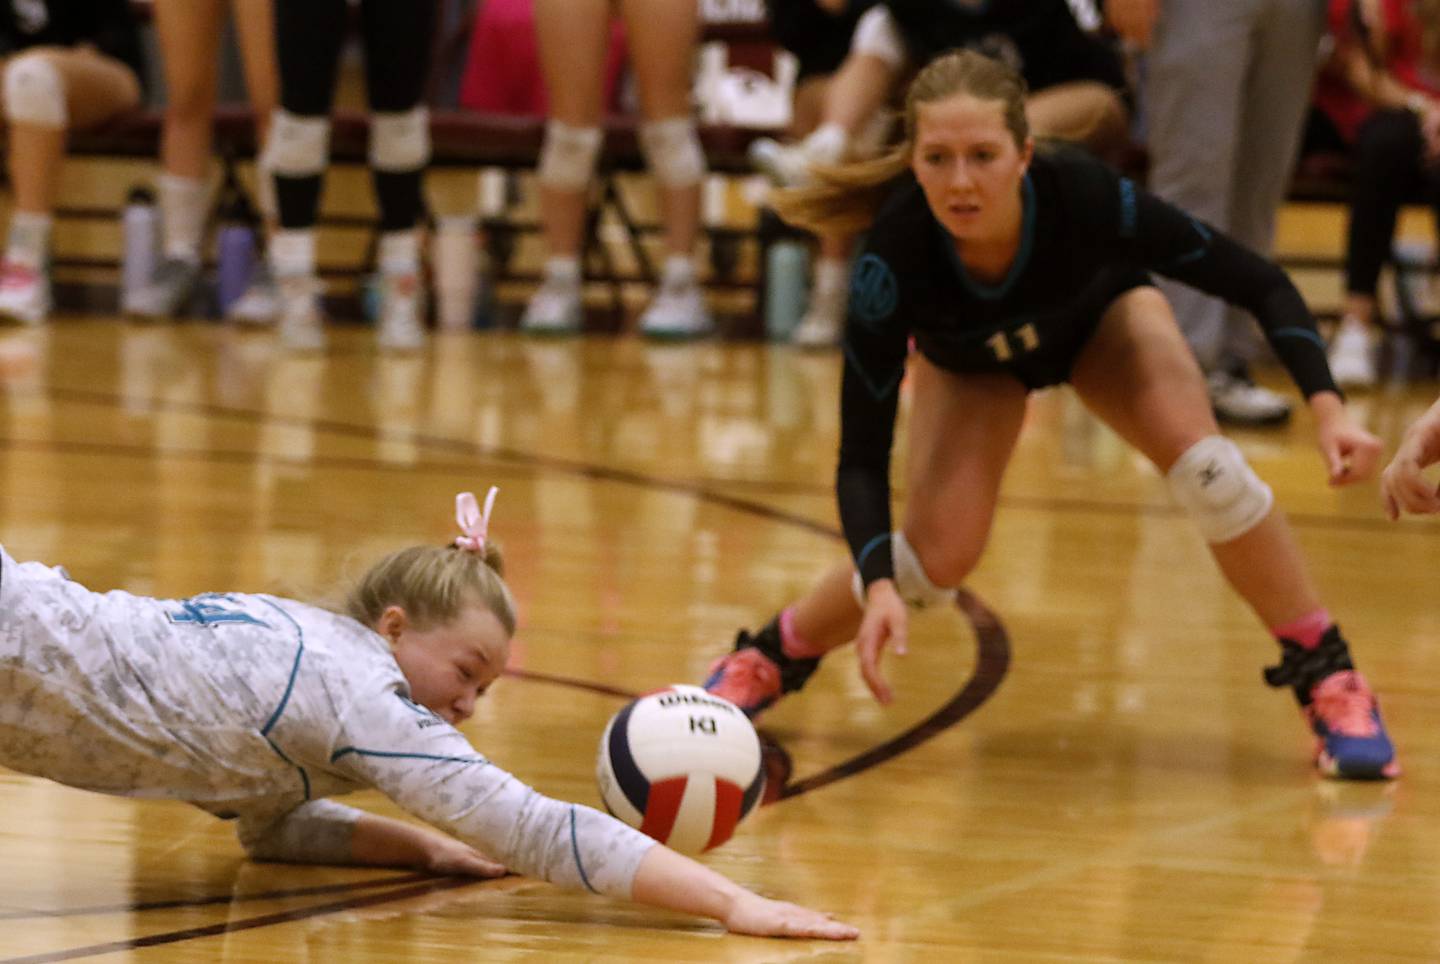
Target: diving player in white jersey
{"x": 258, "y": 708}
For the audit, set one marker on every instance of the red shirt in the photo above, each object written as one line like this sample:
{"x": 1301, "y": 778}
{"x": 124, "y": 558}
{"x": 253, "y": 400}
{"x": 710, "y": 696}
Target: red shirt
{"x": 1404, "y": 60}
{"x": 502, "y": 70}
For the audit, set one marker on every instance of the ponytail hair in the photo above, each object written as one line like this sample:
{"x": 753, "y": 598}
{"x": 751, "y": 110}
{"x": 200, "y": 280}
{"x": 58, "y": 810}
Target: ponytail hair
{"x": 433, "y": 584}
{"x": 845, "y": 197}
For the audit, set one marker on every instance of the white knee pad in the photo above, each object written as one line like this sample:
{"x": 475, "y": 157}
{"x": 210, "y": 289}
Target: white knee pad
{"x": 672, "y": 150}
{"x": 568, "y": 158}
{"x": 298, "y": 146}
{"x": 877, "y": 35}
{"x": 911, "y": 580}
{"x": 1216, "y": 486}
{"x": 400, "y": 141}
{"x": 35, "y": 92}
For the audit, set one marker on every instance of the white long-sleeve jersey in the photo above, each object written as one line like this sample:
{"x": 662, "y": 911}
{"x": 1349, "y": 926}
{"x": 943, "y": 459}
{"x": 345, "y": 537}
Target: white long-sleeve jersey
{"x": 256, "y": 707}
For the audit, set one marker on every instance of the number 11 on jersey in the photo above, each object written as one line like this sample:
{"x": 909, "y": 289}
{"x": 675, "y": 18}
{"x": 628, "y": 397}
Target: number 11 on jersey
{"x": 1005, "y": 346}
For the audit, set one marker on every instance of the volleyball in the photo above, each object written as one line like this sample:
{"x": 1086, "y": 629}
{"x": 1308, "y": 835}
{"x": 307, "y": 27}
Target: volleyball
{"x": 682, "y": 766}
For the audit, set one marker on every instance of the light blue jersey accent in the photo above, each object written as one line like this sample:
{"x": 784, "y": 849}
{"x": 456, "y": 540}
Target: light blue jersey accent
{"x": 205, "y": 612}
{"x": 575, "y": 850}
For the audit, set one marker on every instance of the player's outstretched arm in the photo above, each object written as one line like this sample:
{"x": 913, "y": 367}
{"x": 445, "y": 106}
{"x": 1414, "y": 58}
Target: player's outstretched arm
{"x": 328, "y": 832}
{"x": 1402, "y": 486}
{"x": 668, "y": 879}
{"x": 383, "y": 842}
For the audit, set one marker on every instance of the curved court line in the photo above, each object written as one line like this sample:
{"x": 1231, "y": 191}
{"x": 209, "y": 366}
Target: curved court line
{"x": 992, "y": 662}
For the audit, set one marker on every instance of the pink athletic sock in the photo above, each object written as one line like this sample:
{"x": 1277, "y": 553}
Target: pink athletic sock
{"x": 1307, "y": 630}
{"x": 792, "y": 644}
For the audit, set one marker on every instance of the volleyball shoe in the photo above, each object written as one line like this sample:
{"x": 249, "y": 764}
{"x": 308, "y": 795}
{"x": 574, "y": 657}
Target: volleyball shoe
{"x": 757, "y": 672}
{"x": 1350, "y": 738}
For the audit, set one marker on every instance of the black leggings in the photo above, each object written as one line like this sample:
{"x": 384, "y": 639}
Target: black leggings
{"x": 1390, "y": 169}
{"x": 398, "y": 35}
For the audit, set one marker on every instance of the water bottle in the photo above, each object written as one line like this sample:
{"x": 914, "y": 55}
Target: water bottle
{"x": 456, "y": 272}
{"x": 234, "y": 243}
{"x": 140, "y": 233}
{"x": 787, "y": 271}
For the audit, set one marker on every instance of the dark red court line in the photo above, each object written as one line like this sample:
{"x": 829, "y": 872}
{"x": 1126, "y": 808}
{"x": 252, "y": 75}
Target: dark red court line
{"x": 180, "y": 902}
{"x": 991, "y": 664}
{"x": 229, "y": 927}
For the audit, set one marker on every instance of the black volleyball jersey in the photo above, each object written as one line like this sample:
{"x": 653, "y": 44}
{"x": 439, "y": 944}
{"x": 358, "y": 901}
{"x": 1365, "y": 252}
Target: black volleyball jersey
{"x": 1087, "y": 236}
{"x": 1042, "y": 39}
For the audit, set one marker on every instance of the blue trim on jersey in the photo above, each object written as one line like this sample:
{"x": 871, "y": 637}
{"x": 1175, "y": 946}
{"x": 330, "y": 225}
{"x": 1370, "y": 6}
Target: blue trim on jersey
{"x": 1198, "y": 253}
{"x": 1129, "y": 214}
{"x": 304, "y": 777}
{"x": 404, "y": 756}
{"x": 877, "y": 391}
{"x": 868, "y": 548}
{"x": 294, "y": 669}
{"x": 1022, "y": 257}
{"x": 1299, "y": 333}
{"x": 575, "y": 850}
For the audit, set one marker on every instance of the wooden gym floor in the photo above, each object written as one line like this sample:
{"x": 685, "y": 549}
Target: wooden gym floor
{"x": 1082, "y": 764}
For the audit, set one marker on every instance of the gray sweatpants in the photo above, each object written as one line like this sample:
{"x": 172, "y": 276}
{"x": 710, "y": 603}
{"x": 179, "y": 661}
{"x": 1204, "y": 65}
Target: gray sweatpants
{"x": 1226, "y": 89}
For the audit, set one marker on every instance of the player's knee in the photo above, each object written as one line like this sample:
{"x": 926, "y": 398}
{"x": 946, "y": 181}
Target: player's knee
{"x": 34, "y": 92}
{"x": 877, "y": 35}
{"x": 400, "y": 141}
{"x": 672, "y": 151}
{"x": 918, "y": 585}
{"x": 567, "y": 160}
{"x": 298, "y": 146}
{"x": 1214, "y": 484}
{"x": 943, "y": 568}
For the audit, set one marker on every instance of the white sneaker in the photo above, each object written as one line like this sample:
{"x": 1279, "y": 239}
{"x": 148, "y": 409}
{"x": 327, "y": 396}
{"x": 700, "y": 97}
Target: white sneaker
{"x": 168, "y": 293}
{"x": 1352, "y": 355}
{"x": 677, "y": 311}
{"x": 24, "y": 293}
{"x": 825, "y": 317}
{"x": 554, "y": 308}
{"x": 787, "y": 165}
{"x": 301, "y": 323}
{"x": 402, "y": 309}
{"x": 260, "y": 302}
{"x": 1239, "y": 401}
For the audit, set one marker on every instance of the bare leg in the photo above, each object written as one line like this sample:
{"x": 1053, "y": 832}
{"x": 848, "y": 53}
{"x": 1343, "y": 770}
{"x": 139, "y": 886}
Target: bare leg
{"x": 572, "y": 36}
{"x": 809, "y": 105}
{"x": 858, "y": 89}
{"x": 962, "y": 431}
{"x": 255, "y": 24}
{"x": 662, "y": 36}
{"x": 1083, "y": 112}
{"x": 1360, "y": 306}
{"x": 97, "y": 87}
{"x": 1139, "y": 375}
{"x": 190, "y": 42}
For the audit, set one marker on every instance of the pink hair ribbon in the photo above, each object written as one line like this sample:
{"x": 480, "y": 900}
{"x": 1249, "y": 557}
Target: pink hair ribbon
{"x": 474, "y": 522}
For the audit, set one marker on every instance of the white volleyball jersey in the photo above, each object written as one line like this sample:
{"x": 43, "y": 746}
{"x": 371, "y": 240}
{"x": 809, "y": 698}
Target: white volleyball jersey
{"x": 256, "y": 707}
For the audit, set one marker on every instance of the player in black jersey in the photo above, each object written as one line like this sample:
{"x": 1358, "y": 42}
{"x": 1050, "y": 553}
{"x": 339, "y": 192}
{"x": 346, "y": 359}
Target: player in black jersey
{"x": 1013, "y": 269}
